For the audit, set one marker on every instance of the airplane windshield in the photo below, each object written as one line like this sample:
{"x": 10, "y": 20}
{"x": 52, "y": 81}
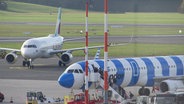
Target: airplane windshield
{"x": 30, "y": 46}
{"x": 70, "y": 71}
{"x": 75, "y": 71}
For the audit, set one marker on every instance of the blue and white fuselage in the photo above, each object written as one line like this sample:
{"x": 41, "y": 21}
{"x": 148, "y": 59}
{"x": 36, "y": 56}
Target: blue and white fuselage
{"x": 140, "y": 71}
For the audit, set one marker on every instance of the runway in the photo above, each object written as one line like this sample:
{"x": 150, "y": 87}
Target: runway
{"x": 149, "y": 39}
{"x": 92, "y": 24}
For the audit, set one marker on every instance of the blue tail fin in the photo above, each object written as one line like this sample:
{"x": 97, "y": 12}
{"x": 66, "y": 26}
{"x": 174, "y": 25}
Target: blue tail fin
{"x": 97, "y": 55}
{"x": 58, "y": 24}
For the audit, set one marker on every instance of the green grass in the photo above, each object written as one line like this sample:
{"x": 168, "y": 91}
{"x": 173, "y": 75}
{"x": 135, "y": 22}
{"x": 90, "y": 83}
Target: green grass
{"x": 121, "y": 51}
{"x": 21, "y": 12}
{"x": 24, "y": 12}
{"x": 147, "y": 18}
{"x": 69, "y": 31}
{"x": 79, "y": 17}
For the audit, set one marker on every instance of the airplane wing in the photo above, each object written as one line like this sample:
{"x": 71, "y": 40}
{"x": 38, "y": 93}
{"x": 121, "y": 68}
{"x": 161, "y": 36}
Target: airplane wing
{"x": 162, "y": 78}
{"x": 10, "y": 49}
{"x": 169, "y": 77}
{"x": 73, "y": 49}
{"x": 83, "y": 48}
{"x": 74, "y": 39}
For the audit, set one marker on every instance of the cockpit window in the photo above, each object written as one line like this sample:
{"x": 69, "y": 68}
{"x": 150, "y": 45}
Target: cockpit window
{"x": 70, "y": 71}
{"x": 30, "y": 46}
{"x": 75, "y": 71}
{"x": 80, "y": 71}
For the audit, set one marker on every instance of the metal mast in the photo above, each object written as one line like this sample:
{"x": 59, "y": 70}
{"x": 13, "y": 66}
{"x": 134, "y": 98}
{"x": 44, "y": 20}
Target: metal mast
{"x": 86, "y": 57}
{"x": 106, "y": 86}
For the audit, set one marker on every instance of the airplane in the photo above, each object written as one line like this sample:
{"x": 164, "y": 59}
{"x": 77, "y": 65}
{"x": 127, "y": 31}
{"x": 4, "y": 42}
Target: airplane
{"x": 163, "y": 72}
{"x": 44, "y": 47}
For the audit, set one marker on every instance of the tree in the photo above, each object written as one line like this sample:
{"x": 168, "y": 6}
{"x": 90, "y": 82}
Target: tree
{"x": 3, "y": 5}
{"x": 181, "y": 8}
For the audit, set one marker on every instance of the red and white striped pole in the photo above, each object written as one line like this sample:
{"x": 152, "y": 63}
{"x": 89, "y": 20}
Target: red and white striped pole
{"x": 86, "y": 57}
{"x": 106, "y": 86}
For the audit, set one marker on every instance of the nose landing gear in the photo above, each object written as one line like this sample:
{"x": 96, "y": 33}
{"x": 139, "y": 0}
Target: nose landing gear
{"x": 28, "y": 63}
{"x": 144, "y": 91}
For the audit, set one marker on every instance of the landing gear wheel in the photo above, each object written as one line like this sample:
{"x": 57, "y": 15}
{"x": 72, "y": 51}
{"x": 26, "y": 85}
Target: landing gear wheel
{"x": 64, "y": 64}
{"x": 147, "y": 92}
{"x": 144, "y": 91}
{"x": 28, "y": 63}
{"x": 31, "y": 67}
{"x": 60, "y": 63}
{"x": 141, "y": 91}
{"x": 24, "y": 63}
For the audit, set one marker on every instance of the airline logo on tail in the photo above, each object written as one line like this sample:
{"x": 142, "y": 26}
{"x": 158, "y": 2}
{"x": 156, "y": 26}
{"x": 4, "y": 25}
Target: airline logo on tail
{"x": 58, "y": 24}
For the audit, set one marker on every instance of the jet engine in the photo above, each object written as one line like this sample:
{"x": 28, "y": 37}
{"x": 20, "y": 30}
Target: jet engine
{"x": 11, "y": 58}
{"x": 171, "y": 85}
{"x": 66, "y": 57}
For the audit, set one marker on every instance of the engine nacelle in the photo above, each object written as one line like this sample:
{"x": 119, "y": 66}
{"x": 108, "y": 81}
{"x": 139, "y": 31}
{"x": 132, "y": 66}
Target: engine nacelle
{"x": 66, "y": 57}
{"x": 171, "y": 85}
{"x": 11, "y": 58}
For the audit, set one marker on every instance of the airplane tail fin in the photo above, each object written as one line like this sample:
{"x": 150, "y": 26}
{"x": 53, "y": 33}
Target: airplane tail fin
{"x": 97, "y": 55}
{"x": 58, "y": 24}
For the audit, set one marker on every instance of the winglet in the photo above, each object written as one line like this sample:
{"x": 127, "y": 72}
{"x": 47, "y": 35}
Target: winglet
{"x": 97, "y": 55}
{"x": 58, "y": 24}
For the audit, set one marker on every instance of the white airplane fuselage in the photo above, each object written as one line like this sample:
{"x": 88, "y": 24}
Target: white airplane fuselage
{"x": 41, "y": 47}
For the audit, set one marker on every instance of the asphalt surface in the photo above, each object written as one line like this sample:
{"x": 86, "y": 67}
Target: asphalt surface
{"x": 92, "y": 24}
{"x": 16, "y": 80}
{"x": 151, "y": 39}
{"x": 44, "y": 69}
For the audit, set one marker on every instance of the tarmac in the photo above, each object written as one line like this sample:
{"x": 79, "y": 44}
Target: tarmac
{"x": 16, "y": 80}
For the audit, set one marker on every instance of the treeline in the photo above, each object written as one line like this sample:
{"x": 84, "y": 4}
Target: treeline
{"x": 116, "y": 5}
{"x": 3, "y": 5}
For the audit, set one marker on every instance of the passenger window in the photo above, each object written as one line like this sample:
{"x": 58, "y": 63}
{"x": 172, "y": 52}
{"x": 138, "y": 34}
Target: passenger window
{"x": 76, "y": 71}
{"x": 80, "y": 71}
{"x": 70, "y": 71}
{"x": 34, "y": 46}
{"x": 25, "y": 46}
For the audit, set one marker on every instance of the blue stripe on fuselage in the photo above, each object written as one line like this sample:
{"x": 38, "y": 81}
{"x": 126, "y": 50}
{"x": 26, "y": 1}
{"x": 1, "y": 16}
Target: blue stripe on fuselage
{"x": 150, "y": 71}
{"x": 82, "y": 64}
{"x": 165, "y": 66}
{"x": 135, "y": 71}
{"x": 119, "y": 73}
{"x": 179, "y": 65}
{"x": 100, "y": 63}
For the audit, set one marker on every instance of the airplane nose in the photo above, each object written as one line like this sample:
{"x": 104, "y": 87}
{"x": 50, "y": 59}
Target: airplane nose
{"x": 66, "y": 80}
{"x": 28, "y": 53}
{"x": 24, "y": 53}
